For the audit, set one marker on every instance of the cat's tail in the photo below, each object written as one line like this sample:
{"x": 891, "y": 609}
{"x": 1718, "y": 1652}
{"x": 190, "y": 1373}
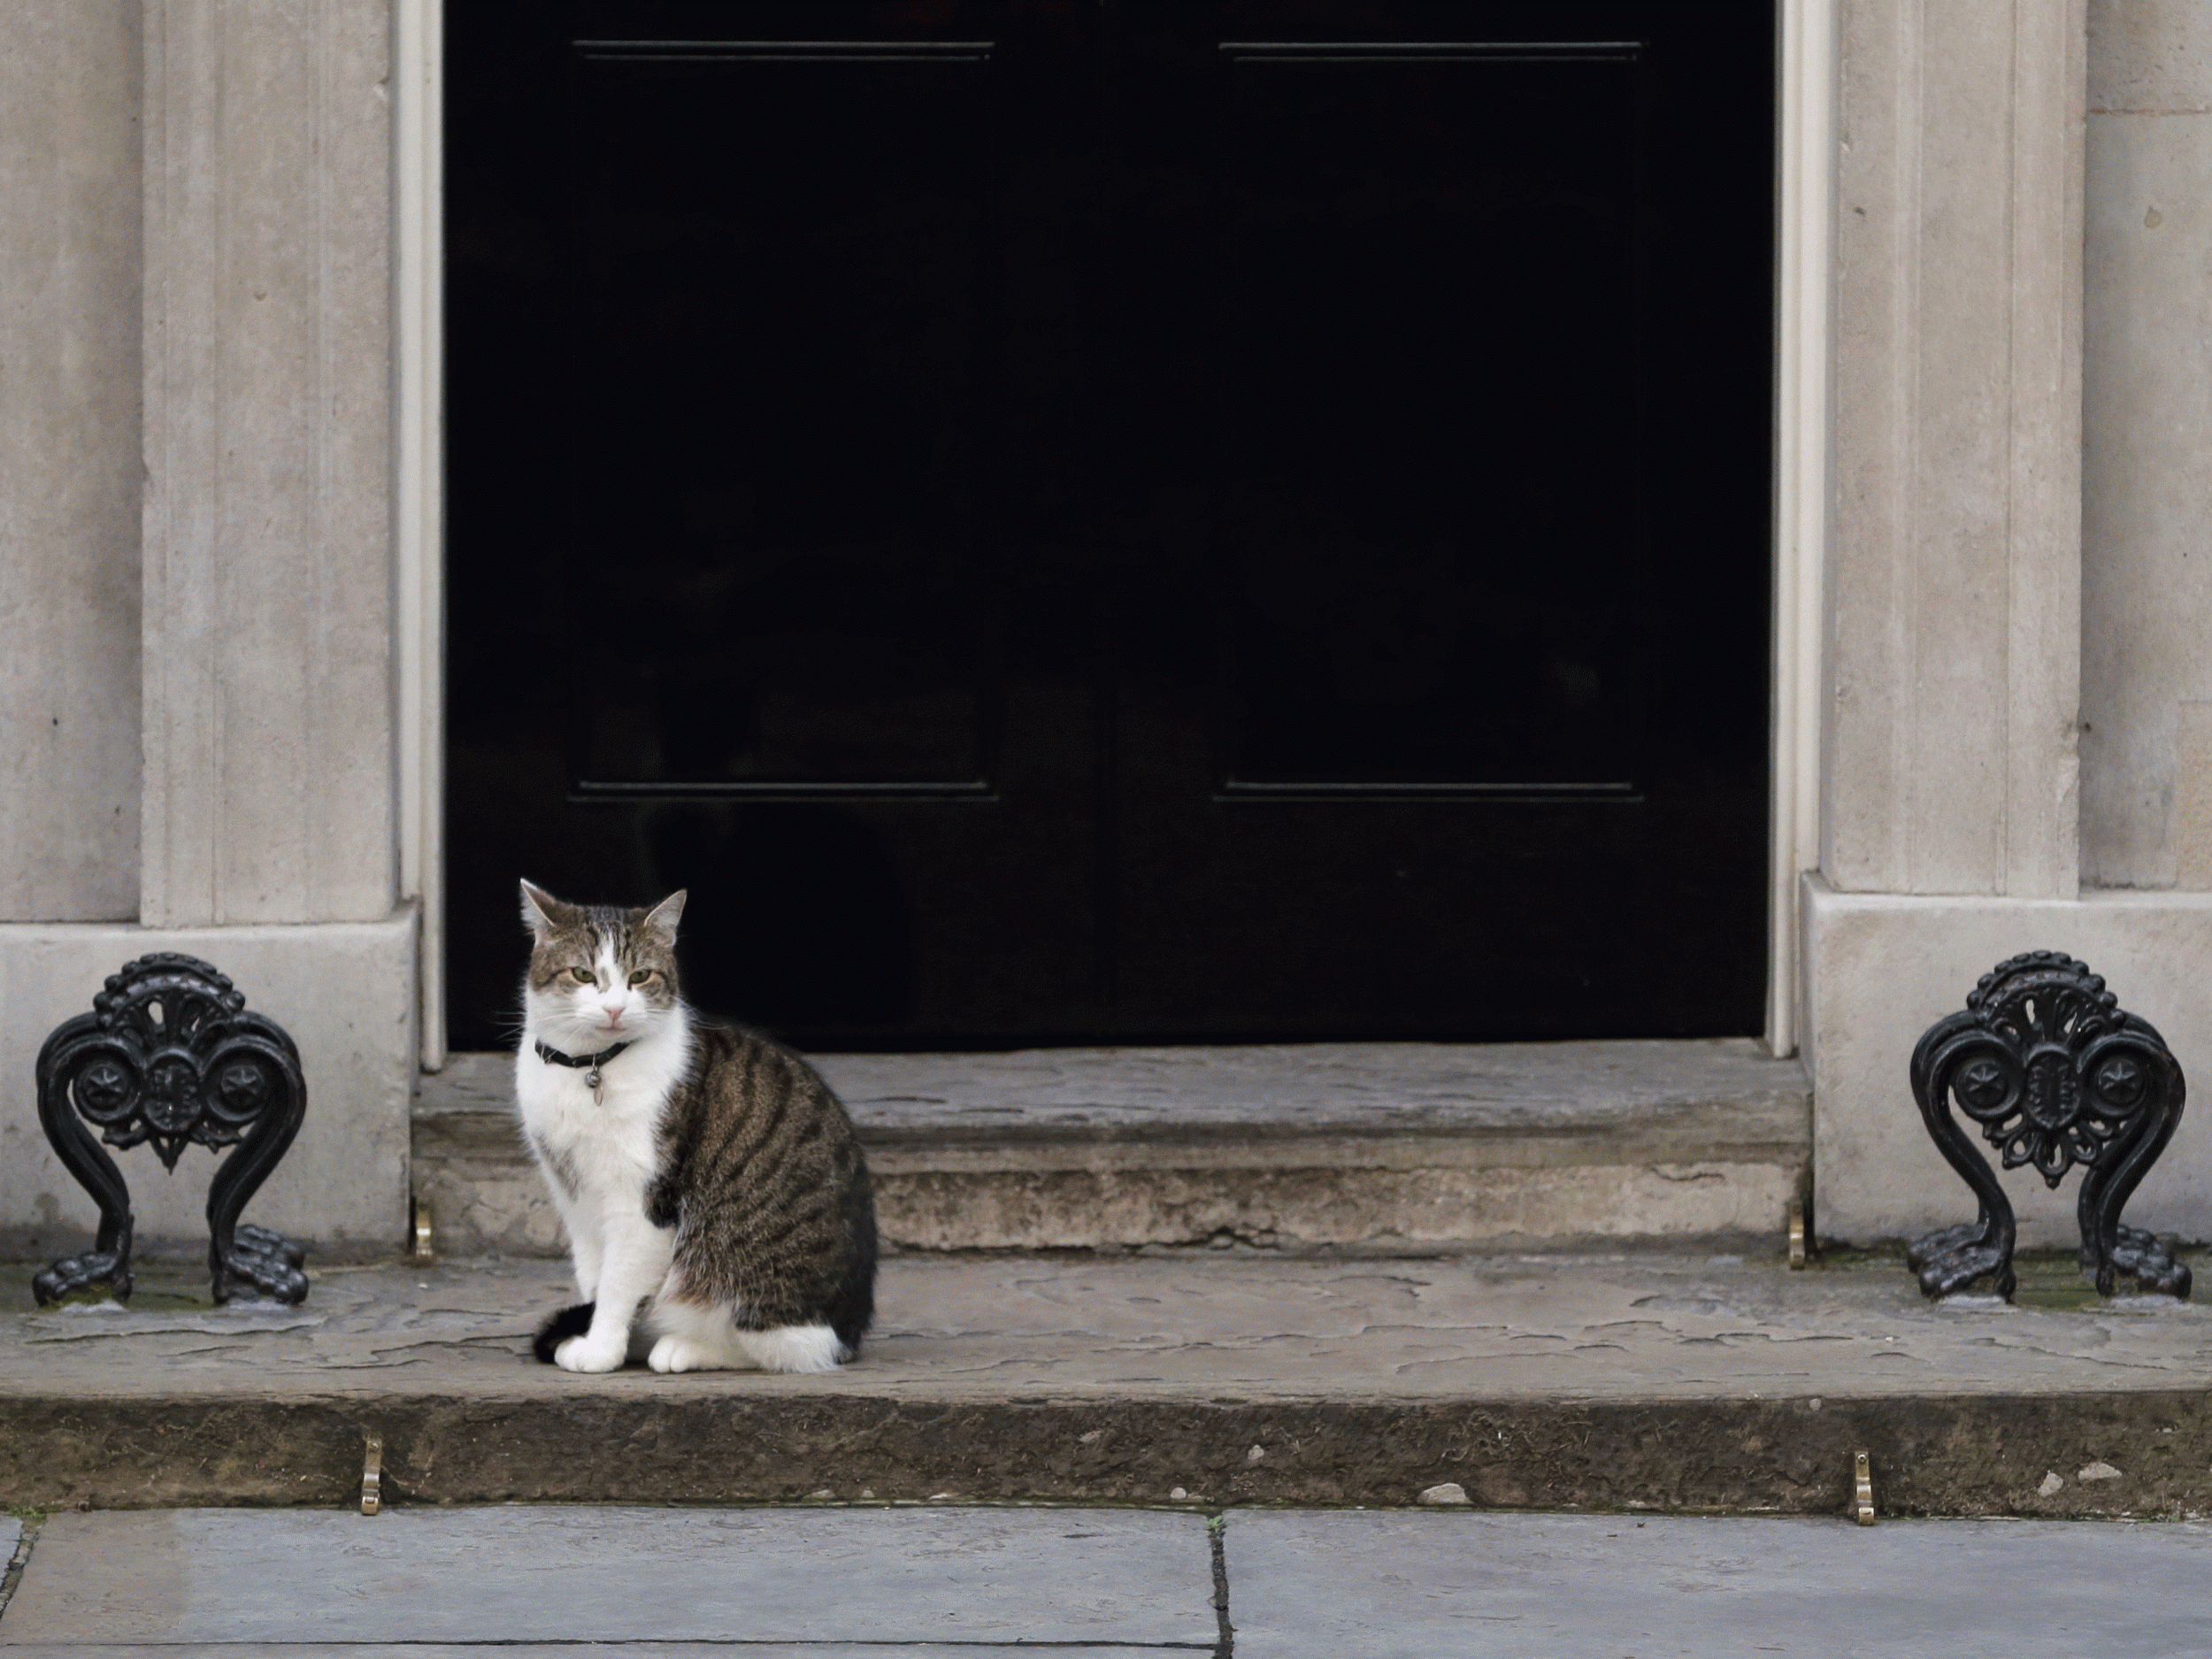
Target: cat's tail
{"x": 853, "y": 1309}
{"x": 567, "y": 1323}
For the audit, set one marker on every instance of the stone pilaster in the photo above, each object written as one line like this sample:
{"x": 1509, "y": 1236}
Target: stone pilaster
{"x": 69, "y": 382}
{"x": 1954, "y": 579}
{"x": 268, "y": 784}
{"x": 2147, "y": 451}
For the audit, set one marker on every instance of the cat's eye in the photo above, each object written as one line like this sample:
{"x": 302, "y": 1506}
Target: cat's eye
{"x": 643, "y": 976}
{"x": 582, "y": 975}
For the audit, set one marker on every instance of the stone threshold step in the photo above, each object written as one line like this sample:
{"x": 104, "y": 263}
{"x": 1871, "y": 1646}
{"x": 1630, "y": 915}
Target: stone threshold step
{"x": 1663, "y": 1382}
{"x": 1340, "y": 1147}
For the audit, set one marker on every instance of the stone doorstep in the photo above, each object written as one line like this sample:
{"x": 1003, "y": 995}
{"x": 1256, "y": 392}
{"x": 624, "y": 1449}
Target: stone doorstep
{"x": 1374, "y": 1148}
{"x": 1628, "y": 1380}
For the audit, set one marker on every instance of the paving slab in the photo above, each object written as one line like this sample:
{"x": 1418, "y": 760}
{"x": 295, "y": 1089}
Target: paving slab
{"x": 1671, "y": 1381}
{"x": 602, "y": 1574}
{"x": 1346, "y": 1585}
{"x": 567, "y": 1650}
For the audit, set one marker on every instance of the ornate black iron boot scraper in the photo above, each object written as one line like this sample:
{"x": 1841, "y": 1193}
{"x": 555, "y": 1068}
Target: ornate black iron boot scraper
{"x": 2056, "y": 1074}
{"x": 169, "y": 1055}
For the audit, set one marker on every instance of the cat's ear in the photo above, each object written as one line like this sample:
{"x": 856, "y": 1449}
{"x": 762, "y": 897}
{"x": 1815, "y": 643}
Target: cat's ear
{"x": 663, "y": 917}
{"x": 541, "y": 912}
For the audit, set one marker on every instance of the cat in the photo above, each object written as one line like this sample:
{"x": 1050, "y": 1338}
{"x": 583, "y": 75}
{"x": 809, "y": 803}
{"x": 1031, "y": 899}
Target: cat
{"x": 715, "y": 1195}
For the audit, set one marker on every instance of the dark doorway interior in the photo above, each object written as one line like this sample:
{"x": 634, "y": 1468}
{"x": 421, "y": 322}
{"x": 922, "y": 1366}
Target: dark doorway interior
{"x": 1117, "y": 520}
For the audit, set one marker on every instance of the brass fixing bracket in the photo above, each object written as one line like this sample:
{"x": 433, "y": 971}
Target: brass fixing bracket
{"x": 372, "y": 1473}
{"x": 423, "y": 1252}
{"x": 1863, "y": 1492}
{"x": 1797, "y": 1235}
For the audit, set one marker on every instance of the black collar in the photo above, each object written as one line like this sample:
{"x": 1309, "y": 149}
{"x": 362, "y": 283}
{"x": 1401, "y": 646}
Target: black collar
{"x": 554, "y": 1056}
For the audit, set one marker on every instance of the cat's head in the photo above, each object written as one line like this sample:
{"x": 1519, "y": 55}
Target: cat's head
{"x": 599, "y": 975}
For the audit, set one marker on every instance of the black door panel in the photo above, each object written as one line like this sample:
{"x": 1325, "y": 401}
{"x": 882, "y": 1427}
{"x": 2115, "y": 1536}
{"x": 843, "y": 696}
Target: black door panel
{"x": 1141, "y": 520}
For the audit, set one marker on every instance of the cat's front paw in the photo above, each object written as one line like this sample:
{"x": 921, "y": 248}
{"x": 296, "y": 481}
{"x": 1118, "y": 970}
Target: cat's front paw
{"x": 581, "y": 1354}
{"x": 675, "y": 1354}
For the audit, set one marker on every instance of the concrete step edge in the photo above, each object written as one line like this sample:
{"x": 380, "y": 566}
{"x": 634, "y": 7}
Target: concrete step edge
{"x": 1932, "y": 1454}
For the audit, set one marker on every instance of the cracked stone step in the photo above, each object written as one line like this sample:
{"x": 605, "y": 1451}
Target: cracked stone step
{"x": 1377, "y": 1148}
{"x": 1617, "y": 1380}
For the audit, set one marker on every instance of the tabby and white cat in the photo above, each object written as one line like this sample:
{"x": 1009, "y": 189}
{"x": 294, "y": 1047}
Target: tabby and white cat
{"x": 715, "y": 1196}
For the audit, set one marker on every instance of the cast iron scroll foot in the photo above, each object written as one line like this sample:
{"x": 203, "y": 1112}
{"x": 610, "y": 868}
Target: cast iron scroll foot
{"x": 2139, "y": 1254}
{"x": 2051, "y": 1069}
{"x": 73, "y": 1273}
{"x": 260, "y": 1264}
{"x": 1953, "y": 1258}
{"x": 169, "y": 1058}
{"x": 1942, "y": 1241}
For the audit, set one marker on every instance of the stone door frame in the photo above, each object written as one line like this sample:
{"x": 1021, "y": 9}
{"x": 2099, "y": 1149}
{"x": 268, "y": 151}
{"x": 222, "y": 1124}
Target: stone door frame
{"x": 1805, "y": 146}
{"x": 419, "y": 488}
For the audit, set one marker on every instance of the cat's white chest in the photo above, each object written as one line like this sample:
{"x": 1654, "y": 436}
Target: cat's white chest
{"x": 605, "y": 1138}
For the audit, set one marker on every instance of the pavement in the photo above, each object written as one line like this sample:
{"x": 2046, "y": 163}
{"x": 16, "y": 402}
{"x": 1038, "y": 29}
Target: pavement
{"x": 1648, "y": 1381}
{"x": 987, "y": 1582}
